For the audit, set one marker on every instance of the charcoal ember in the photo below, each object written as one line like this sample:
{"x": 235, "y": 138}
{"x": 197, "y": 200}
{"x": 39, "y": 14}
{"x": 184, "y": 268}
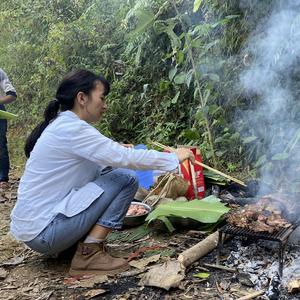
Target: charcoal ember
{"x": 263, "y": 216}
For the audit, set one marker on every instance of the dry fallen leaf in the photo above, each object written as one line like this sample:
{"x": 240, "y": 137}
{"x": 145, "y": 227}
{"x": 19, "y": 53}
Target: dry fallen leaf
{"x": 13, "y": 261}
{"x": 3, "y": 273}
{"x": 142, "y": 263}
{"x": 46, "y": 296}
{"x": 165, "y": 276}
{"x": 87, "y": 282}
{"x": 93, "y": 293}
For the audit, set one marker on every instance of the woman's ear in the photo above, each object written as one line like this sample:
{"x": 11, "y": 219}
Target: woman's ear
{"x": 81, "y": 99}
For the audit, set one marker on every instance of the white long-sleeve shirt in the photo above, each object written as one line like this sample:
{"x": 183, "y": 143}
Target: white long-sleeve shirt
{"x": 59, "y": 173}
{"x": 6, "y": 87}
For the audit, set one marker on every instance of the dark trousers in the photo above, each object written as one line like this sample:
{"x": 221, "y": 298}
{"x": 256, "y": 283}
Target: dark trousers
{"x": 4, "y": 158}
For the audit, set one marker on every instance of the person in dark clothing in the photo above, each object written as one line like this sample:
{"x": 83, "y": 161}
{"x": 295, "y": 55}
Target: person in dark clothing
{"x": 7, "y": 95}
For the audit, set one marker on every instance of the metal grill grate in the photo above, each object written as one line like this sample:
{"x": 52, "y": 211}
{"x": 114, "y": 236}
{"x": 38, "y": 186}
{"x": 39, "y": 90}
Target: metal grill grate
{"x": 280, "y": 236}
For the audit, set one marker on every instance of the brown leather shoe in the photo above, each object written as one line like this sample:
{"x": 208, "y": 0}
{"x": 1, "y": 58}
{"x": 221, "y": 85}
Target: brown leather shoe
{"x": 93, "y": 259}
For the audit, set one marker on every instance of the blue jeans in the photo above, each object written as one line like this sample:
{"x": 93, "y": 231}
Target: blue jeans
{"x": 108, "y": 210}
{"x": 4, "y": 159}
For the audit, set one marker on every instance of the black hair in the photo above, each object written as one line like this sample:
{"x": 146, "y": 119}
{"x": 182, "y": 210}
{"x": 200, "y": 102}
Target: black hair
{"x": 73, "y": 83}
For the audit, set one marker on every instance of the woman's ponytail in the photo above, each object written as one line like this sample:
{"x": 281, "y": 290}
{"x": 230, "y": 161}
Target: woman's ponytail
{"x": 50, "y": 113}
{"x": 75, "y": 82}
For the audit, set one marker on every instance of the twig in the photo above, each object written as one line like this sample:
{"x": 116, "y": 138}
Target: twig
{"x": 219, "y": 288}
{"x": 252, "y": 295}
{"x": 220, "y": 268}
{"x": 202, "y": 164}
{"x": 202, "y": 269}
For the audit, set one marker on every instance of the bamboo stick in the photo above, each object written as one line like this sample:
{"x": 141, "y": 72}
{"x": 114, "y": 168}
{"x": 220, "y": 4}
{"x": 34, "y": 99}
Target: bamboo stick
{"x": 194, "y": 180}
{"x": 202, "y": 164}
{"x": 221, "y": 173}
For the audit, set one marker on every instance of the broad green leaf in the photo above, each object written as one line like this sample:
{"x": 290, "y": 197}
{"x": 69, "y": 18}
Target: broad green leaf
{"x": 199, "y": 210}
{"x": 261, "y": 161}
{"x": 188, "y": 78}
{"x": 198, "y": 43}
{"x": 191, "y": 134}
{"x": 6, "y": 115}
{"x": 175, "y": 40}
{"x": 280, "y": 156}
{"x": 202, "y": 113}
{"x": 218, "y": 139}
{"x": 174, "y": 100}
{"x": 202, "y": 275}
{"x": 209, "y": 154}
{"x": 168, "y": 223}
{"x": 213, "y": 176}
{"x": 172, "y": 73}
{"x": 179, "y": 57}
{"x": 145, "y": 19}
{"x": 180, "y": 78}
{"x": 235, "y": 136}
{"x": 164, "y": 85}
{"x": 249, "y": 139}
{"x": 211, "y": 199}
{"x": 197, "y": 4}
{"x": 220, "y": 153}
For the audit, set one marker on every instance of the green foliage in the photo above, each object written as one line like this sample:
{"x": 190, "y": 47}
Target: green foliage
{"x": 173, "y": 66}
{"x": 208, "y": 210}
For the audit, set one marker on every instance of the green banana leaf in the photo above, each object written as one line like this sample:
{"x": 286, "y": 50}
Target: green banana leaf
{"x": 207, "y": 210}
{"x": 6, "y": 115}
{"x": 214, "y": 178}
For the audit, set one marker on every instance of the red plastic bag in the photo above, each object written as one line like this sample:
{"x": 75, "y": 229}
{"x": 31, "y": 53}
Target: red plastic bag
{"x": 193, "y": 174}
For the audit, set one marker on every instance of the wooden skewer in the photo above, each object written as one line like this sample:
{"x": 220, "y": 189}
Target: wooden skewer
{"x": 202, "y": 164}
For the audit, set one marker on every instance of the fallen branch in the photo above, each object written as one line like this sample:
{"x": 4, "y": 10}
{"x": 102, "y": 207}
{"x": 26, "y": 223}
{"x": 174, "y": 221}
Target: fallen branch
{"x": 219, "y": 267}
{"x": 252, "y": 295}
{"x": 199, "y": 250}
{"x": 202, "y": 164}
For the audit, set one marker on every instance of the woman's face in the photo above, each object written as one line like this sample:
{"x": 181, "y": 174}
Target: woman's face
{"x": 95, "y": 106}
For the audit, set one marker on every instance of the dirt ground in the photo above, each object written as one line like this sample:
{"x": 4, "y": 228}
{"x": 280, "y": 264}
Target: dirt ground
{"x": 25, "y": 274}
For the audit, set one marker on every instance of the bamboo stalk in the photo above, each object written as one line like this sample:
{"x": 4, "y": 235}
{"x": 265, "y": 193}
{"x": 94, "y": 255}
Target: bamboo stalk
{"x": 202, "y": 164}
{"x": 221, "y": 173}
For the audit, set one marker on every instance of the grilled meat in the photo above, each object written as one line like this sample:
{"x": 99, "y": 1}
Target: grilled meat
{"x": 263, "y": 216}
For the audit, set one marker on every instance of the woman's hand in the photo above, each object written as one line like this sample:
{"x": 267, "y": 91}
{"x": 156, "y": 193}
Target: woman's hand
{"x": 183, "y": 154}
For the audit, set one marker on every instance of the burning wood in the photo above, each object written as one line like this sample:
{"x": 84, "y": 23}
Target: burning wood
{"x": 263, "y": 216}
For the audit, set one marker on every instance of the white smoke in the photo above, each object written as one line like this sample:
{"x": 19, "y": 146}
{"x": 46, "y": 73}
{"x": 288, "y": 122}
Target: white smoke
{"x": 274, "y": 51}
